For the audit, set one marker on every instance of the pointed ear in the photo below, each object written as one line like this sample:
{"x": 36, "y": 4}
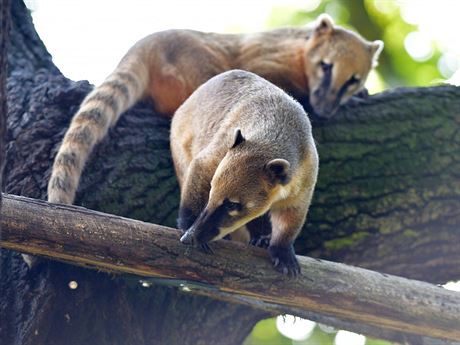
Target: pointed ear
{"x": 278, "y": 170}
{"x": 237, "y": 138}
{"x": 324, "y": 24}
{"x": 375, "y": 48}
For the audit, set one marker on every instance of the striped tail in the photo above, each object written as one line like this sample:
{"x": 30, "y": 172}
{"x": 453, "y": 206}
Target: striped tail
{"x": 99, "y": 111}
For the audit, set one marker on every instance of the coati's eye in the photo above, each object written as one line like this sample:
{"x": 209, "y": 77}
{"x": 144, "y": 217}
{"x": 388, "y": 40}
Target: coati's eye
{"x": 325, "y": 66}
{"x": 232, "y": 206}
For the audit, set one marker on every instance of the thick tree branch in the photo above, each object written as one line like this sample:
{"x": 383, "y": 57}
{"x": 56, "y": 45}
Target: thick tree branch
{"x": 235, "y": 273}
{"x": 388, "y": 194}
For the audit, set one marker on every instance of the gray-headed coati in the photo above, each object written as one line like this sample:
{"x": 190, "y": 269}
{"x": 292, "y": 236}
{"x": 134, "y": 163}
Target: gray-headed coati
{"x": 242, "y": 149}
{"x": 323, "y": 65}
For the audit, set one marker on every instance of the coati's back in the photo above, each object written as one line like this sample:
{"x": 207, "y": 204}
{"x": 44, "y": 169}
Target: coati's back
{"x": 243, "y": 100}
{"x": 323, "y": 66}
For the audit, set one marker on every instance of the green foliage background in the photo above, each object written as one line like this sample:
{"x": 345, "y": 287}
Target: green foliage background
{"x": 266, "y": 333}
{"x": 373, "y": 21}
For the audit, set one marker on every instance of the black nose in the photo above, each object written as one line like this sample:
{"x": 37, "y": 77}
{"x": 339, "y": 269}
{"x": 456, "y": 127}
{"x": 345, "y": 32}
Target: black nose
{"x": 187, "y": 238}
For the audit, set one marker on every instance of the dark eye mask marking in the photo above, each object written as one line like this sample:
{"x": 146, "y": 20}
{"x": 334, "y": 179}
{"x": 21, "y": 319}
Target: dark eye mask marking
{"x": 327, "y": 77}
{"x": 232, "y": 206}
{"x": 353, "y": 80}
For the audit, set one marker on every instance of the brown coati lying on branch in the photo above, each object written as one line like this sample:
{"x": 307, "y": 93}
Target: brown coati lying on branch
{"x": 322, "y": 65}
{"x": 242, "y": 149}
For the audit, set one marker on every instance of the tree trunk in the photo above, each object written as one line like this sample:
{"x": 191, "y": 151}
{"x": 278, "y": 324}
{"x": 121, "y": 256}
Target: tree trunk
{"x": 388, "y": 198}
{"x": 388, "y": 195}
{"x": 4, "y": 43}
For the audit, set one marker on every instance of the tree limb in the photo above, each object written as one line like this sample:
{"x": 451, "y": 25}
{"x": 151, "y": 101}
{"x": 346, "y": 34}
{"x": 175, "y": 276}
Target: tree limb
{"x": 236, "y": 272}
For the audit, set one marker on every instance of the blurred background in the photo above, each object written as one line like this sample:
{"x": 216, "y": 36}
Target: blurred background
{"x": 87, "y": 38}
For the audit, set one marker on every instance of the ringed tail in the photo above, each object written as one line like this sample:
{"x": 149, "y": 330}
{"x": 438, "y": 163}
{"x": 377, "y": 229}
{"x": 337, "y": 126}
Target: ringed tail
{"x": 99, "y": 111}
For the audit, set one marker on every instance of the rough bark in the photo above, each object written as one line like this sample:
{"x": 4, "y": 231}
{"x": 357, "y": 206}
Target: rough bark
{"x": 4, "y": 42}
{"x": 387, "y": 199}
{"x": 388, "y": 196}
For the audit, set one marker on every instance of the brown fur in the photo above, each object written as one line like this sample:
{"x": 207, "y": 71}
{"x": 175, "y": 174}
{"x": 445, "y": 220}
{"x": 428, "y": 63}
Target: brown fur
{"x": 239, "y": 139}
{"x": 168, "y": 66}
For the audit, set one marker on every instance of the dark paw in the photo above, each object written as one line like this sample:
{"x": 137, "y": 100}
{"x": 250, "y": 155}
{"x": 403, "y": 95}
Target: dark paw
{"x": 206, "y": 248}
{"x": 284, "y": 260}
{"x": 262, "y": 241}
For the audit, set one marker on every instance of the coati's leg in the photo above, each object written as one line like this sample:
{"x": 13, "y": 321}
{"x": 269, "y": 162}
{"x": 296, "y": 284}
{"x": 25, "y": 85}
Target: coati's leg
{"x": 286, "y": 224}
{"x": 260, "y": 230}
{"x": 195, "y": 193}
{"x": 194, "y": 196}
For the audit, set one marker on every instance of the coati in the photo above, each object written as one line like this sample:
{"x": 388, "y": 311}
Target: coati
{"x": 243, "y": 148}
{"x": 322, "y": 65}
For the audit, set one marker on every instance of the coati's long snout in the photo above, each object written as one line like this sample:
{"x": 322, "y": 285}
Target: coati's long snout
{"x": 209, "y": 226}
{"x": 215, "y": 222}
{"x": 206, "y": 227}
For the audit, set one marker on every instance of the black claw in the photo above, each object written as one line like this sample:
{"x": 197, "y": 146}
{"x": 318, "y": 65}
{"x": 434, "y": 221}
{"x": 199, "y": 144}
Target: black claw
{"x": 206, "y": 248}
{"x": 284, "y": 260}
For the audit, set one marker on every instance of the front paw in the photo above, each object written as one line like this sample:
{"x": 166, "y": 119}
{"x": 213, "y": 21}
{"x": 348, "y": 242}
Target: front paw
{"x": 284, "y": 260}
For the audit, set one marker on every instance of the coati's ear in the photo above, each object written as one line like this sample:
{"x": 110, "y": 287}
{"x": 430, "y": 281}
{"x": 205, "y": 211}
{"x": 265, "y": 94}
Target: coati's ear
{"x": 375, "y": 48}
{"x": 278, "y": 170}
{"x": 237, "y": 138}
{"x": 324, "y": 24}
